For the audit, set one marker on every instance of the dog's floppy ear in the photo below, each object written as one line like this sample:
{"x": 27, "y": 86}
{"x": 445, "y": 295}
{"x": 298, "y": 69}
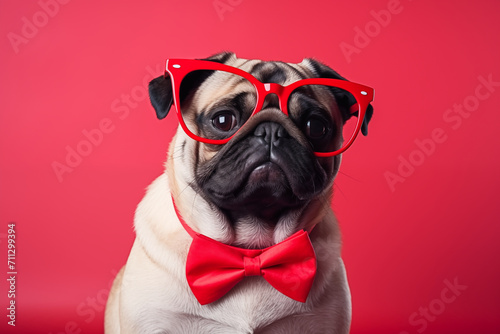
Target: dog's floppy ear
{"x": 194, "y": 79}
{"x": 161, "y": 95}
{"x": 160, "y": 89}
{"x": 344, "y": 100}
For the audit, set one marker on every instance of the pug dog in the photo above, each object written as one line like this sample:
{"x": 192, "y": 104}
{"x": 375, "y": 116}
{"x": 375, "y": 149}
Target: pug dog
{"x": 252, "y": 164}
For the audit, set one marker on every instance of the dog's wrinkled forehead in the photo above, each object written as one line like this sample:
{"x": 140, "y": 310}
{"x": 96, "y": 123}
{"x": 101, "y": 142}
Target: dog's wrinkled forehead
{"x": 222, "y": 84}
{"x": 271, "y": 71}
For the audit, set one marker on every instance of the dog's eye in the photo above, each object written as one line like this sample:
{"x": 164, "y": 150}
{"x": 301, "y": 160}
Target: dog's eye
{"x": 316, "y": 128}
{"x": 224, "y": 121}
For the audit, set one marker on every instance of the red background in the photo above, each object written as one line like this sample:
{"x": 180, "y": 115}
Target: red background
{"x": 437, "y": 223}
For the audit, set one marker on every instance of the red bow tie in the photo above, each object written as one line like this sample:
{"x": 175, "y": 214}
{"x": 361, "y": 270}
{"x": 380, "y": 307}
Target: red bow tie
{"x": 214, "y": 268}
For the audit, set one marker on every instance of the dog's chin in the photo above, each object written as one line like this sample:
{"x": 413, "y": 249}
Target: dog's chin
{"x": 265, "y": 194}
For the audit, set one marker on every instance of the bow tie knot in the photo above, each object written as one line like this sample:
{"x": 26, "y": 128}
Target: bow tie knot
{"x": 252, "y": 266}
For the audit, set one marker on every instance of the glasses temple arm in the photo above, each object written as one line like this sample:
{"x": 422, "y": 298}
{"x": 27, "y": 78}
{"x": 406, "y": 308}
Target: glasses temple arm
{"x": 354, "y": 108}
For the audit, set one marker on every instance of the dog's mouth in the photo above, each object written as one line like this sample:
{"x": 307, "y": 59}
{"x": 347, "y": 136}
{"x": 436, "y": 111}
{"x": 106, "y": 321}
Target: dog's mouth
{"x": 263, "y": 190}
{"x": 252, "y": 176}
{"x": 266, "y": 189}
{"x": 267, "y": 173}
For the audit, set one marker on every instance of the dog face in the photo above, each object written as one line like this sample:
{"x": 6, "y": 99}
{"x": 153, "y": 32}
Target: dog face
{"x": 267, "y": 177}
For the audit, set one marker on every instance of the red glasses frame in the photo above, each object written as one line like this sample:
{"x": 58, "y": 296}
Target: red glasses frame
{"x": 178, "y": 68}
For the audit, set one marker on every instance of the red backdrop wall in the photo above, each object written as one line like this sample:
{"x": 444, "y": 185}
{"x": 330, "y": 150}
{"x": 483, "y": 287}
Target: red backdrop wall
{"x": 417, "y": 199}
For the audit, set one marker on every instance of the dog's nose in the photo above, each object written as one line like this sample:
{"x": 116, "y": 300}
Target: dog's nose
{"x": 270, "y": 132}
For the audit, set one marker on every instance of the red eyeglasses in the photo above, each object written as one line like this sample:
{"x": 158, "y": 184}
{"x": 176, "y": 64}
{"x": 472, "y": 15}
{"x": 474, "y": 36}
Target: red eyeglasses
{"x": 237, "y": 96}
